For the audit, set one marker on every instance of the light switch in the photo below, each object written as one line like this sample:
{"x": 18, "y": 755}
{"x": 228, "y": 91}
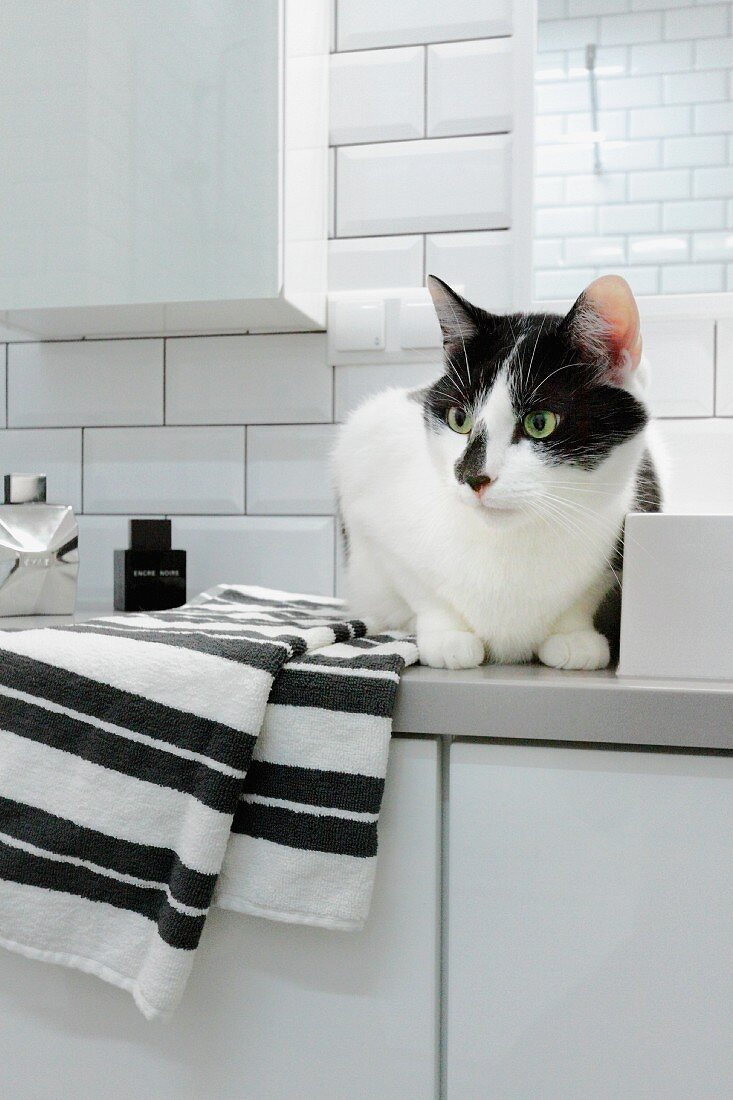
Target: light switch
{"x": 419, "y": 326}
{"x": 357, "y": 325}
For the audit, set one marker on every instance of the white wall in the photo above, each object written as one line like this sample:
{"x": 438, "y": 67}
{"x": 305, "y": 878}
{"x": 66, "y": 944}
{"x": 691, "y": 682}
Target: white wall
{"x": 661, "y": 212}
{"x": 229, "y": 435}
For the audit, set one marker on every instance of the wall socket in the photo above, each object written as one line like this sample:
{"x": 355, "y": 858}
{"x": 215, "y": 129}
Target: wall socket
{"x": 385, "y": 326}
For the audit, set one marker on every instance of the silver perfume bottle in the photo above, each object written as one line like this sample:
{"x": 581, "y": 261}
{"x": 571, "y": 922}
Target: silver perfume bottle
{"x": 39, "y": 550}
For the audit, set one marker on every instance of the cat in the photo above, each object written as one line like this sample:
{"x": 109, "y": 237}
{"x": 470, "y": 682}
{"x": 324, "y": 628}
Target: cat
{"x": 485, "y": 512}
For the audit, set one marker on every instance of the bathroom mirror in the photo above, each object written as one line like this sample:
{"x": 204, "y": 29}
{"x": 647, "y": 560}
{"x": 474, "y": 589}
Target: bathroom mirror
{"x": 634, "y": 146}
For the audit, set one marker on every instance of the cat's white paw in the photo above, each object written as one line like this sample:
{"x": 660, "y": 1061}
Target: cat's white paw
{"x": 584, "y": 649}
{"x": 450, "y": 649}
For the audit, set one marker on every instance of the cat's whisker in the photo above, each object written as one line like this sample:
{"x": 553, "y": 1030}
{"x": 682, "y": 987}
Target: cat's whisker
{"x": 574, "y": 528}
{"x": 609, "y": 523}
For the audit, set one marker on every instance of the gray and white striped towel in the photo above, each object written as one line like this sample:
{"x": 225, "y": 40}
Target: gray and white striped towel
{"x": 139, "y": 753}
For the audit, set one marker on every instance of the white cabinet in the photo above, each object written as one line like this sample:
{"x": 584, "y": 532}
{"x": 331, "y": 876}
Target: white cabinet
{"x": 164, "y": 165}
{"x": 272, "y": 1010}
{"x": 590, "y": 924}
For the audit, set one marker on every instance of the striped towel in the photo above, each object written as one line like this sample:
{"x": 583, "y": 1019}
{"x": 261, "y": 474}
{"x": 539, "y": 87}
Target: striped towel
{"x": 237, "y": 744}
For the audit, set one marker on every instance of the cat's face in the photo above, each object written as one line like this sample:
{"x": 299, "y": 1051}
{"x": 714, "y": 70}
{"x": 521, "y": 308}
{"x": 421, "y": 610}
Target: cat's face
{"x": 537, "y": 415}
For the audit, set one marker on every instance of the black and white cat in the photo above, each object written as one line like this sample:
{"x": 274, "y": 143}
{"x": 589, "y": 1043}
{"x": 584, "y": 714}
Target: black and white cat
{"x": 486, "y": 511}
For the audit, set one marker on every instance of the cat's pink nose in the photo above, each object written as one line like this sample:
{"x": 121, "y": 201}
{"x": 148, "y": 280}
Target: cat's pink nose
{"x": 482, "y": 481}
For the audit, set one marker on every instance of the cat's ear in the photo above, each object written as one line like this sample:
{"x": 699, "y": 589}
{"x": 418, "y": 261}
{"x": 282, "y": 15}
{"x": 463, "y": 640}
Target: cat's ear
{"x": 457, "y": 317}
{"x": 604, "y": 326}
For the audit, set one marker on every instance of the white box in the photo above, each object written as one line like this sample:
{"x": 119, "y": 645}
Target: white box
{"x": 677, "y": 607}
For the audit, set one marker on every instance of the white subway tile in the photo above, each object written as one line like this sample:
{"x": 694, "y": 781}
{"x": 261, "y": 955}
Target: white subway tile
{"x": 642, "y": 280}
{"x": 612, "y": 124}
{"x": 353, "y": 385}
{"x": 478, "y": 265}
{"x": 99, "y": 537}
{"x": 692, "y": 278}
{"x": 618, "y": 29}
{"x": 596, "y": 7}
{"x": 55, "y": 452}
{"x": 631, "y": 156}
{"x": 549, "y": 191}
{"x": 377, "y": 95}
{"x": 572, "y": 95}
{"x": 609, "y": 187}
{"x": 595, "y": 251}
{"x": 686, "y": 152}
{"x": 630, "y": 91}
{"x": 632, "y": 217}
{"x": 698, "y": 22}
{"x": 77, "y": 382}
{"x": 548, "y": 128}
{"x": 713, "y": 246}
{"x": 682, "y": 358}
{"x": 470, "y": 87}
{"x": 659, "y": 121}
{"x": 712, "y": 183}
{"x": 714, "y": 53}
{"x": 551, "y": 9}
{"x": 661, "y": 57}
{"x": 610, "y": 61}
{"x": 658, "y": 5}
{"x": 288, "y": 469}
{"x": 332, "y": 192}
{"x": 695, "y": 87}
{"x": 550, "y": 66}
{"x": 724, "y": 371}
{"x": 151, "y": 470}
{"x": 3, "y": 383}
{"x": 564, "y": 158}
{"x": 424, "y": 186}
{"x": 568, "y": 283}
{"x": 666, "y": 249}
{"x": 566, "y": 221}
{"x": 372, "y": 263}
{"x": 288, "y": 552}
{"x": 697, "y": 465}
{"x": 548, "y": 253}
{"x": 248, "y": 379}
{"x": 566, "y": 34}
{"x": 694, "y": 214}
{"x": 666, "y": 184}
{"x": 713, "y": 118}
{"x": 404, "y": 22}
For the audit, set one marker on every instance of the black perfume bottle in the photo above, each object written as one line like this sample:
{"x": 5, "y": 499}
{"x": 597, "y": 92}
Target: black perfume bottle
{"x": 149, "y": 576}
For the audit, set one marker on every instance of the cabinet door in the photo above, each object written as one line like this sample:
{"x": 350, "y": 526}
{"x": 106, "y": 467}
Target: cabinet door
{"x": 590, "y": 924}
{"x": 272, "y": 1010}
{"x": 144, "y": 150}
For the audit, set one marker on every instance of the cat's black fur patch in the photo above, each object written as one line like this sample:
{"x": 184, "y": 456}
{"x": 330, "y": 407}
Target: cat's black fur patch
{"x": 471, "y": 462}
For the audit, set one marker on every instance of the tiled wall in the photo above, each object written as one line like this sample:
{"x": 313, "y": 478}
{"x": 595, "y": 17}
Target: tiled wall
{"x": 661, "y": 211}
{"x": 423, "y": 105}
{"x": 229, "y": 435}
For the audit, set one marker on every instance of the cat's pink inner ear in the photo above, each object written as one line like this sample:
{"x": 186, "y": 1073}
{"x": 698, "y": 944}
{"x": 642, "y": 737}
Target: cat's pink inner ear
{"x": 612, "y": 302}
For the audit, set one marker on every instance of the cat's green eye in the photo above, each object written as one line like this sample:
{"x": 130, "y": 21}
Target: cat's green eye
{"x": 539, "y": 425}
{"x": 459, "y": 420}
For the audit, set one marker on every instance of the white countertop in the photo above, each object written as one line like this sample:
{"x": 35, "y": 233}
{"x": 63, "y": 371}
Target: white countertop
{"x": 531, "y": 702}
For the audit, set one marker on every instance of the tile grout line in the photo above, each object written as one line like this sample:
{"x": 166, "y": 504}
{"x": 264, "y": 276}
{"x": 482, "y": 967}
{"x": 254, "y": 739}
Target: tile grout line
{"x": 424, "y": 42}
